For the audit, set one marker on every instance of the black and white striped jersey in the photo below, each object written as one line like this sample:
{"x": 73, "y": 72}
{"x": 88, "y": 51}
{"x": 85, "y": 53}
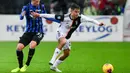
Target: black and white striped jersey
{"x": 67, "y": 24}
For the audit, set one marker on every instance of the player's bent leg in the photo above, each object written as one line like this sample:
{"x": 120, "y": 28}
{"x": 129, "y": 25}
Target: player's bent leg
{"x": 31, "y": 52}
{"x": 19, "y": 53}
{"x": 55, "y": 55}
{"x": 60, "y": 60}
{"x": 61, "y": 43}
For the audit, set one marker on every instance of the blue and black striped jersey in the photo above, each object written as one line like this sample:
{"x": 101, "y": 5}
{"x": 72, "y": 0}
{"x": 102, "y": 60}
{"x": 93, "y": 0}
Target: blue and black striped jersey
{"x": 33, "y": 24}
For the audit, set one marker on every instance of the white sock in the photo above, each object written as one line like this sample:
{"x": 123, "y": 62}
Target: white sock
{"x": 57, "y": 62}
{"x": 56, "y": 53}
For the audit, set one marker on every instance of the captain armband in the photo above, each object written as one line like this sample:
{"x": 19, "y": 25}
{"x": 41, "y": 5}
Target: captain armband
{"x": 59, "y": 17}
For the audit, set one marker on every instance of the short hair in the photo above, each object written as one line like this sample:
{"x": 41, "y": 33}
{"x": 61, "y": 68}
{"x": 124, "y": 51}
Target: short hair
{"x": 74, "y": 6}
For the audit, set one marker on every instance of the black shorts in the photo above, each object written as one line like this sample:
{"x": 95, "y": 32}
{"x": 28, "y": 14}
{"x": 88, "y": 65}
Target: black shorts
{"x": 27, "y": 37}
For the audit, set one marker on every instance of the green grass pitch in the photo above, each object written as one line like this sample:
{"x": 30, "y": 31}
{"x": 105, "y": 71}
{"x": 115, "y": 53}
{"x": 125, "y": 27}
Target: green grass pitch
{"x": 85, "y": 57}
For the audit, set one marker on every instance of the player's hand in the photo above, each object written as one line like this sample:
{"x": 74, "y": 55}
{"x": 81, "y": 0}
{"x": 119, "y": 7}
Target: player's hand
{"x": 34, "y": 14}
{"x": 101, "y": 24}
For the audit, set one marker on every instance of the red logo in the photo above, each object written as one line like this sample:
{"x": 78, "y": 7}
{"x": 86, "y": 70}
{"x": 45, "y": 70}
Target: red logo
{"x": 114, "y": 20}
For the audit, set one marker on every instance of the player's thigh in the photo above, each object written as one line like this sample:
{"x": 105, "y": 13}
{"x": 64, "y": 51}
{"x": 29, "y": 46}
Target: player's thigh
{"x": 59, "y": 35}
{"x": 61, "y": 38}
{"x": 25, "y": 39}
{"x": 38, "y": 37}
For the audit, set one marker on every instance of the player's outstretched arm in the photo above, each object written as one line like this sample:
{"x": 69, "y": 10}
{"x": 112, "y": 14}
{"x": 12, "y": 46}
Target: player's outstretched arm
{"x": 52, "y": 17}
{"x": 47, "y": 15}
{"x": 87, "y": 19}
{"x": 43, "y": 15}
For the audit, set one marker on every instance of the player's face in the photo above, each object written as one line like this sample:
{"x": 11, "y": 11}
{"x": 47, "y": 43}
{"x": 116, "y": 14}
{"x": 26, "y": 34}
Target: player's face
{"x": 75, "y": 13}
{"x": 35, "y": 2}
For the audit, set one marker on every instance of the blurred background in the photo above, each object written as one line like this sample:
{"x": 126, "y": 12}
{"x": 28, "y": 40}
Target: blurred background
{"x": 88, "y": 7}
{"x": 110, "y": 12}
{"x": 92, "y": 45}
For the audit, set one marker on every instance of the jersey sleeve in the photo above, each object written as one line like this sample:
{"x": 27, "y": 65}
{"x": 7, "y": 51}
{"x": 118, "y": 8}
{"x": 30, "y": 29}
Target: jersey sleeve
{"x": 24, "y": 9}
{"x": 47, "y": 15}
{"x": 53, "y": 16}
{"x": 87, "y": 19}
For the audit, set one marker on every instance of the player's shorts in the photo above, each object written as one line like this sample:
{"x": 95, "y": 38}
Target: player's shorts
{"x": 27, "y": 37}
{"x": 67, "y": 45}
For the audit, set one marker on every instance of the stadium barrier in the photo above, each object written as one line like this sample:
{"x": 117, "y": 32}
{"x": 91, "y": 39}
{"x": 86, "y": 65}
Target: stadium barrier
{"x": 11, "y": 28}
{"x": 127, "y": 22}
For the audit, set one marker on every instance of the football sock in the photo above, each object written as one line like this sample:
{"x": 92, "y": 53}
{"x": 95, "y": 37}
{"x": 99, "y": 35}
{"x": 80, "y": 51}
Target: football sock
{"x": 30, "y": 55}
{"x": 56, "y": 53}
{"x": 20, "y": 58}
{"x": 57, "y": 62}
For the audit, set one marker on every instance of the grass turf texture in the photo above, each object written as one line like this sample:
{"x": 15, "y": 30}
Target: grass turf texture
{"x": 85, "y": 57}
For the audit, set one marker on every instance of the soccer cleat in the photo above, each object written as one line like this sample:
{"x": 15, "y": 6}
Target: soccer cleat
{"x": 55, "y": 69}
{"x": 15, "y": 70}
{"x": 50, "y": 63}
{"x": 24, "y": 68}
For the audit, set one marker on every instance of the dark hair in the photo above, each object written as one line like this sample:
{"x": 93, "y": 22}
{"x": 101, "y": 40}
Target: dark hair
{"x": 74, "y": 6}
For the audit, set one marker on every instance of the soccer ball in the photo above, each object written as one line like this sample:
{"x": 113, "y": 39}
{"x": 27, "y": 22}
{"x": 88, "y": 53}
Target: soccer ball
{"x": 107, "y": 68}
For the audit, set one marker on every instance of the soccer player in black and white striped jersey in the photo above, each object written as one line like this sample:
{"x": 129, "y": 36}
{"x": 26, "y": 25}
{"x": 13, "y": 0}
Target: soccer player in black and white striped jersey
{"x": 68, "y": 24}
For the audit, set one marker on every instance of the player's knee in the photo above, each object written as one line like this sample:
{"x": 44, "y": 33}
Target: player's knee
{"x": 33, "y": 44}
{"x": 20, "y": 46}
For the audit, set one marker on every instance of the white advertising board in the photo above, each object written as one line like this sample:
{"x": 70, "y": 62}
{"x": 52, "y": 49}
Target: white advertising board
{"x": 127, "y": 22}
{"x": 112, "y": 31}
{"x": 11, "y": 28}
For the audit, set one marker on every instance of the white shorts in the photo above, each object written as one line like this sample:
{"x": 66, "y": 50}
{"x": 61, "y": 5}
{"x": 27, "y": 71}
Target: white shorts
{"x": 67, "y": 45}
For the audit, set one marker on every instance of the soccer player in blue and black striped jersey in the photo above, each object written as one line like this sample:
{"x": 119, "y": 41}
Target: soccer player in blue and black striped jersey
{"x": 33, "y": 34}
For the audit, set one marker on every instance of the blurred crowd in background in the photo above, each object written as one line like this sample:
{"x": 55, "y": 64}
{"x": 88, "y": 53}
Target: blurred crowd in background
{"x": 88, "y": 7}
